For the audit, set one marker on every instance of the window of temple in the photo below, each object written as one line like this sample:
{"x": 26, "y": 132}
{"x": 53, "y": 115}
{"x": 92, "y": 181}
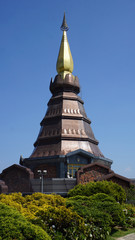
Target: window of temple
{"x": 73, "y": 168}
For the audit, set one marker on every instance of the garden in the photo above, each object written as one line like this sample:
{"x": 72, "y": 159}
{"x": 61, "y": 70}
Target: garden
{"x": 96, "y": 210}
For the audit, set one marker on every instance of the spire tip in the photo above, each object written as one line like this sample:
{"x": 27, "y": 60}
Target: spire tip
{"x": 64, "y": 26}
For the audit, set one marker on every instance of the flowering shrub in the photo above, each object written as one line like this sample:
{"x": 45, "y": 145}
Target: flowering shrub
{"x": 52, "y": 215}
{"x": 59, "y": 219}
{"x": 100, "y": 209}
{"x": 65, "y": 224}
{"x": 129, "y": 210}
{"x": 75, "y": 218}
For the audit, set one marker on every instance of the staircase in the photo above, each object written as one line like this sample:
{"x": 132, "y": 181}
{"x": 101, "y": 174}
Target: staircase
{"x": 59, "y": 186}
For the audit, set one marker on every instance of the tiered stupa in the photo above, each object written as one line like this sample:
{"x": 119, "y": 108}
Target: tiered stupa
{"x": 66, "y": 140}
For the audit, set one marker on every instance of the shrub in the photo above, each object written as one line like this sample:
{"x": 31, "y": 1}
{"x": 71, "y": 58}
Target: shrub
{"x": 130, "y": 194}
{"x": 60, "y": 220}
{"x": 65, "y": 224}
{"x": 129, "y": 210}
{"x": 15, "y": 200}
{"x": 110, "y": 188}
{"x": 50, "y": 213}
{"x": 101, "y": 209}
{"x": 30, "y": 204}
{"x": 102, "y": 197}
{"x": 14, "y": 226}
{"x": 40, "y": 199}
{"x": 79, "y": 217}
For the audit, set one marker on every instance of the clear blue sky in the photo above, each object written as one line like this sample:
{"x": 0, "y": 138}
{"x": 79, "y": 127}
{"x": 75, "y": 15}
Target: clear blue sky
{"x": 102, "y": 42}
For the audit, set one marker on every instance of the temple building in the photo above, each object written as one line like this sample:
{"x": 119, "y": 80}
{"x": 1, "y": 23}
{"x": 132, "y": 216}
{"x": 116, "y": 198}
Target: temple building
{"x": 66, "y": 148}
{"x": 66, "y": 141}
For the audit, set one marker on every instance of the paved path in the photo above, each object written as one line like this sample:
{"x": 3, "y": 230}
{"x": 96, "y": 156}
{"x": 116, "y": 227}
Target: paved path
{"x": 128, "y": 237}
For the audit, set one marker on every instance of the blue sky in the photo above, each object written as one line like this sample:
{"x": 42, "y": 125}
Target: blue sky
{"x": 102, "y": 42}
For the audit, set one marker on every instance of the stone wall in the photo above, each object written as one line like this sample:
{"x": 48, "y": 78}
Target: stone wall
{"x": 99, "y": 172}
{"x": 17, "y": 178}
{"x": 92, "y": 172}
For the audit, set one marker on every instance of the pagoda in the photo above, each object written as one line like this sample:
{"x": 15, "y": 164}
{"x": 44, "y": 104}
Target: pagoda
{"x": 66, "y": 141}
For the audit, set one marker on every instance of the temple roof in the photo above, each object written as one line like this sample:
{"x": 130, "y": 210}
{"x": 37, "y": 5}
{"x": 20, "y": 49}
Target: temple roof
{"x": 65, "y": 127}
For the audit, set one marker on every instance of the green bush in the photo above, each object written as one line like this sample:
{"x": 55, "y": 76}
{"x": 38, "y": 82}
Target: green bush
{"x": 65, "y": 224}
{"x": 60, "y": 221}
{"x": 110, "y": 188}
{"x": 100, "y": 209}
{"x": 30, "y": 204}
{"x": 102, "y": 197}
{"x": 51, "y": 214}
{"x": 130, "y": 194}
{"x": 14, "y": 226}
{"x": 129, "y": 210}
{"x": 40, "y": 199}
{"x": 79, "y": 217}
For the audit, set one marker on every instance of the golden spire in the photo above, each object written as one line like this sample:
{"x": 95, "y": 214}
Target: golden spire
{"x": 65, "y": 61}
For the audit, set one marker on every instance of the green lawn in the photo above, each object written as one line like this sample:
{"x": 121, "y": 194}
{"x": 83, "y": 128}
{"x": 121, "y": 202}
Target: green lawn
{"x": 120, "y": 233}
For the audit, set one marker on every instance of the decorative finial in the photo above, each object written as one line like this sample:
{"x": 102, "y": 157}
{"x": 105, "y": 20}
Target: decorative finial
{"x": 64, "y": 62}
{"x": 64, "y": 26}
